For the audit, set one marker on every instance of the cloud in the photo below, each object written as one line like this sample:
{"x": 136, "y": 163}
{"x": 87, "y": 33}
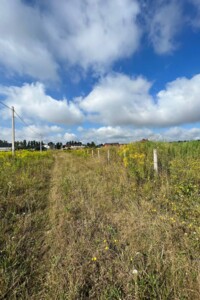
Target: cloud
{"x": 195, "y": 21}
{"x": 124, "y": 134}
{"x": 46, "y": 133}
{"x": 121, "y": 134}
{"x": 182, "y": 134}
{"x": 42, "y": 39}
{"x": 38, "y": 40}
{"x": 23, "y": 47}
{"x": 116, "y": 100}
{"x": 70, "y": 137}
{"x": 179, "y": 103}
{"x": 32, "y": 132}
{"x": 37, "y": 132}
{"x": 118, "y": 134}
{"x": 93, "y": 34}
{"x": 32, "y": 102}
{"x": 164, "y": 21}
{"x": 121, "y": 100}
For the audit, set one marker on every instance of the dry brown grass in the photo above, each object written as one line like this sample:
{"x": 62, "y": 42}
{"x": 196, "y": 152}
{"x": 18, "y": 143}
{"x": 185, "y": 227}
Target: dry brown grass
{"x": 95, "y": 232}
{"x": 104, "y": 226}
{"x": 24, "y": 188}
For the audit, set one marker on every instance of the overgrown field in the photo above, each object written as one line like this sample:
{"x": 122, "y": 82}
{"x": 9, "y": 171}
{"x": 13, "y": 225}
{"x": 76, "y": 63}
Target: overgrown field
{"x": 107, "y": 230}
{"x": 24, "y": 189}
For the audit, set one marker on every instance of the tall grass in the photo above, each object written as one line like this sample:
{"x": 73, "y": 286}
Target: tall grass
{"x": 119, "y": 221}
{"x": 103, "y": 229}
{"x": 24, "y": 186}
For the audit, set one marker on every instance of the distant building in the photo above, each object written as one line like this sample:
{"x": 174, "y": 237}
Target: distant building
{"x": 111, "y": 144}
{"x": 72, "y": 147}
{"x": 5, "y": 149}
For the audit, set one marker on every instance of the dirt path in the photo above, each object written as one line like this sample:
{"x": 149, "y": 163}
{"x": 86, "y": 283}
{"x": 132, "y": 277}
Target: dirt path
{"x": 86, "y": 203}
{"x": 55, "y": 234}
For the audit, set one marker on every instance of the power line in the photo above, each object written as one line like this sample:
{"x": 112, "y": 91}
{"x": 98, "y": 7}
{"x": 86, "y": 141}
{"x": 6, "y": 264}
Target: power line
{"x": 6, "y": 105}
{"x": 35, "y": 132}
{"x": 13, "y": 127}
{"x": 22, "y": 120}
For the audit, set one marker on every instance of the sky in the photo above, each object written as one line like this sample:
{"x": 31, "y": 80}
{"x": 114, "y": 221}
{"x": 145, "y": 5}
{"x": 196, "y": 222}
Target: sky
{"x": 99, "y": 70}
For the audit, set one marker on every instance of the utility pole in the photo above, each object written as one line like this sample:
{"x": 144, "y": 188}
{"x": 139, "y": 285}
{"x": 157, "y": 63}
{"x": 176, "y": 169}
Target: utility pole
{"x": 40, "y": 143}
{"x": 13, "y": 130}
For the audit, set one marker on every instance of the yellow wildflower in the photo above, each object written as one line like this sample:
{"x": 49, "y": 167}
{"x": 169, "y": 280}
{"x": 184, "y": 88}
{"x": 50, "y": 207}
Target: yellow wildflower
{"x": 94, "y": 258}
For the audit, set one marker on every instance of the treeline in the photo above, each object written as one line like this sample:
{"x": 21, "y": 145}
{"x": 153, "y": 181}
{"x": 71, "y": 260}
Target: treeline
{"x": 5, "y": 144}
{"x": 36, "y": 144}
{"x": 22, "y": 144}
{"x": 75, "y": 143}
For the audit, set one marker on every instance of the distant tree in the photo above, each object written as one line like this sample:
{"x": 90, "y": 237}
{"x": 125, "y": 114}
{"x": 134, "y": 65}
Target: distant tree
{"x": 51, "y": 145}
{"x": 73, "y": 143}
{"x": 58, "y": 145}
{"x": 100, "y": 145}
{"x": 24, "y": 144}
{"x": 4, "y": 144}
{"x": 91, "y": 145}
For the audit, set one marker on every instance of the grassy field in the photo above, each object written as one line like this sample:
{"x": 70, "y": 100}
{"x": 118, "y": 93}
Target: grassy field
{"x": 75, "y": 226}
{"x": 24, "y": 192}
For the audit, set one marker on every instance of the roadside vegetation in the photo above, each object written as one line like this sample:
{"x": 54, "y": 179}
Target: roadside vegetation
{"x": 116, "y": 229}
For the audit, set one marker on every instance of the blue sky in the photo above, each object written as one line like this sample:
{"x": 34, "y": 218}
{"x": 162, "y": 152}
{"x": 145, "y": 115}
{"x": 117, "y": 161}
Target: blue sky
{"x": 98, "y": 70}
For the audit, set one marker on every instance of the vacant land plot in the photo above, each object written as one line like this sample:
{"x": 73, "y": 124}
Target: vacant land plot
{"x": 99, "y": 230}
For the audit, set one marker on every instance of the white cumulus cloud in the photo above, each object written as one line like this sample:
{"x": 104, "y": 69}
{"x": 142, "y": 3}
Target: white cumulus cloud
{"x": 126, "y": 134}
{"x": 164, "y": 21}
{"x": 68, "y": 136}
{"x": 121, "y": 100}
{"x": 32, "y": 102}
{"x": 111, "y": 134}
{"x": 38, "y": 40}
{"x": 23, "y": 47}
{"x": 93, "y": 33}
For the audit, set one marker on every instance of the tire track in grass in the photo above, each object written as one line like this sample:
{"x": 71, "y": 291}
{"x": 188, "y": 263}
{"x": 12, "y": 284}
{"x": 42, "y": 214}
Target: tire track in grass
{"x": 85, "y": 204}
{"x": 54, "y": 233}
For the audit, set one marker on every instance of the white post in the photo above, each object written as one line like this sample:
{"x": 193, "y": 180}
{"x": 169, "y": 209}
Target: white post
{"x": 155, "y": 160}
{"x": 92, "y": 153}
{"x": 98, "y": 153}
{"x": 124, "y": 153}
{"x": 13, "y": 130}
{"x": 108, "y": 155}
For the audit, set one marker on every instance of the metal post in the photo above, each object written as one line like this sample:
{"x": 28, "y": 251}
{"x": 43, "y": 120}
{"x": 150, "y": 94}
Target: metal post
{"x": 13, "y": 130}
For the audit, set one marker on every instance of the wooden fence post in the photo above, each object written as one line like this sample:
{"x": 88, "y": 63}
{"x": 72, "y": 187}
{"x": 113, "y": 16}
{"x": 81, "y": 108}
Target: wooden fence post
{"x": 155, "y": 160}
